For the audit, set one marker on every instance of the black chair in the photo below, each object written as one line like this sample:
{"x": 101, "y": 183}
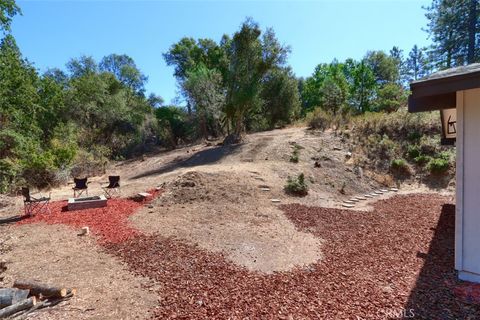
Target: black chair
{"x": 81, "y": 186}
{"x": 34, "y": 205}
{"x": 113, "y": 188}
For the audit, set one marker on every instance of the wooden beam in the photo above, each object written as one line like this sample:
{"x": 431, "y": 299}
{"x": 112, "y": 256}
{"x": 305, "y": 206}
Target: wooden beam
{"x": 37, "y": 289}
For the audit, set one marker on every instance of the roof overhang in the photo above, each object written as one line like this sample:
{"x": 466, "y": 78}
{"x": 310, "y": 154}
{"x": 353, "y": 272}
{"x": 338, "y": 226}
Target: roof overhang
{"x": 438, "y": 91}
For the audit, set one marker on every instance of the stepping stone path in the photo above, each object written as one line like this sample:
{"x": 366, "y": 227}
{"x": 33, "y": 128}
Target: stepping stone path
{"x": 275, "y": 200}
{"x": 352, "y": 201}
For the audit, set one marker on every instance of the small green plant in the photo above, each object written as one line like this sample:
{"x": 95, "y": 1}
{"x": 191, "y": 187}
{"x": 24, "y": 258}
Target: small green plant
{"x": 438, "y": 166}
{"x": 400, "y": 167}
{"x": 295, "y": 153}
{"x": 297, "y": 186}
{"x": 413, "y": 151}
{"x": 422, "y": 159}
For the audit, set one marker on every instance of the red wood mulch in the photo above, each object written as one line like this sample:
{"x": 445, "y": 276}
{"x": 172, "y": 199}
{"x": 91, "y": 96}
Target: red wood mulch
{"x": 394, "y": 262}
{"x": 110, "y": 223}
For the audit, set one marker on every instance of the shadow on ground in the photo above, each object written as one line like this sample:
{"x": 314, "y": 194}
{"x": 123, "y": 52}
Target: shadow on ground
{"x": 433, "y": 295}
{"x": 201, "y": 158}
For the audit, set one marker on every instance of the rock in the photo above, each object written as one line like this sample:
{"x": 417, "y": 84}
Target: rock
{"x": 358, "y": 171}
{"x": 361, "y": 198}
{"x": 349, "y": 202}
{"x": 394, "y": 189}
{"x": 275, "y": 200}
{"x": 368, "y": 196}
{"x": 85, "y": 231}
{"x": 317, "y": 164}
{"x": 348, "y": 155}
{"x": 384, "y": 190}
{"x": 336, "y": 148}
{"x": 346, "y": 205}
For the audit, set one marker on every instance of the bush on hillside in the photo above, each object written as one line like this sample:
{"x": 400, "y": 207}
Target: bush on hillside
{"x": 319, "y": 119}
{"x": 438, "y": 166}
{"x": 297, "y": 186}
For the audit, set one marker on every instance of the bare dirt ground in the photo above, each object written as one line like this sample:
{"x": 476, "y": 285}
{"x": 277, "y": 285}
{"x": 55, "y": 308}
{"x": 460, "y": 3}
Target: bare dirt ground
{"x": 213, "y": 201}
{"x": 56, "y": 255}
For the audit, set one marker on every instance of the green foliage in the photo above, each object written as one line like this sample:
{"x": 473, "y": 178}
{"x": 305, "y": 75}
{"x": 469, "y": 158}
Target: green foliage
{"x": 8, "y": 9}
{"x": 297, "y": 186}
{"x": 295, "y": 153}
{"x": 177, "y": 125}
{"x": 453, "y": 28}
{"x": 319, "y": 119}
{"x": 400, "y": 167}
{"x": 252, "y": 56}
{"x": 413, "y": 151}
{"x": 281, "y": 99}
{"x": 203, "y": 87}
{"x": 390, "y": 98}
{"x": 438, "y": 165}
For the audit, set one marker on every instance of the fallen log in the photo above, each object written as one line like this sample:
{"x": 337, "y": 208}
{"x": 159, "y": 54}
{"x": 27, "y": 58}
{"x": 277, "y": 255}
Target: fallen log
{"x": 9, "y": 296}
{"x": 19, "y": 306}
{"x": 37, "y": 289}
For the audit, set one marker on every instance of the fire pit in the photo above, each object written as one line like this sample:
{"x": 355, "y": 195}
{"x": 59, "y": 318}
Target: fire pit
{"x": 87, "y": 202}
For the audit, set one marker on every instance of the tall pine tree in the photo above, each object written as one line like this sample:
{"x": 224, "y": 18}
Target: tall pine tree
{"x": 454, "y": 29}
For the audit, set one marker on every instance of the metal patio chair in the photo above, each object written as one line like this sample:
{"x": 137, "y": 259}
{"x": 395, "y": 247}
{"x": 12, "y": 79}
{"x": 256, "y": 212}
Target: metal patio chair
{"x": 33, "y": 205}
{"x": 113, "y": 188}
{"x": 81, "y": 186}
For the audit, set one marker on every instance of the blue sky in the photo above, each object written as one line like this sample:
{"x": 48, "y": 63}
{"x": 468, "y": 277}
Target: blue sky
{"x": 51, "y": 32}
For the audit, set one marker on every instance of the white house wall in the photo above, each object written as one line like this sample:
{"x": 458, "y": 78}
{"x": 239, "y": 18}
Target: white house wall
{"x": 467, "y": 257}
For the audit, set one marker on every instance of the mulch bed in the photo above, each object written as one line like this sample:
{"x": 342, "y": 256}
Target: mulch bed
{"x": 110, "y": 223}
{"x": 395, "y": 262}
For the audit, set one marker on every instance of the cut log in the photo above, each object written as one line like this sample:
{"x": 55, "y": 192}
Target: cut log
{"x": 9, "y": 296}
{"x": 19, "y": 306}
{"x": 40, "y": 289}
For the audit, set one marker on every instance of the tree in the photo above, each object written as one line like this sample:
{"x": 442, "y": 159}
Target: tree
{"x": 155, "y": 101}
{"x": 8, "y": 9}
{"x": 204, "y": 90}
{"x": 390, "y": 97}
{"x": 251, "y": 57}
{"x": 125, "y": 70}
{"x": 416, "y": 64}
{"x": 362, "y": 85}
{"x": 82, "y": 66}
{"x": 453, "y": 27}
{"x": 281, "y": 98}
{"x": 384, "y": 67}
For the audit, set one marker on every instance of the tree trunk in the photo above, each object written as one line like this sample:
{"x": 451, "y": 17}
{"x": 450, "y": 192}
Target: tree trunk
{"x": 472, "y": 30}
{"x": 38, "y": 288}
{"x": 9, "y": 296}
{"x": 19, "y": 306}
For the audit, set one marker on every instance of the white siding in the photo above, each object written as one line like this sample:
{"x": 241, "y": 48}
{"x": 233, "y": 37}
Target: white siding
{"x": 468, "y": 187}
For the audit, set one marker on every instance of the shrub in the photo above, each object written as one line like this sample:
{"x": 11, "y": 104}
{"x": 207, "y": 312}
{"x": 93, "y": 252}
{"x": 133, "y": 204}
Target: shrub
{"x": 295, "y": 153}
{"x": 413, "y": 151}
{"x": 297, "y": 186}
{"x": 319, "y": 119}
{"x": 294, "y": 157}
{"x": 400, "y": 167}
{"x": 438, "y": 166}
{"x": 422, "y": 159}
